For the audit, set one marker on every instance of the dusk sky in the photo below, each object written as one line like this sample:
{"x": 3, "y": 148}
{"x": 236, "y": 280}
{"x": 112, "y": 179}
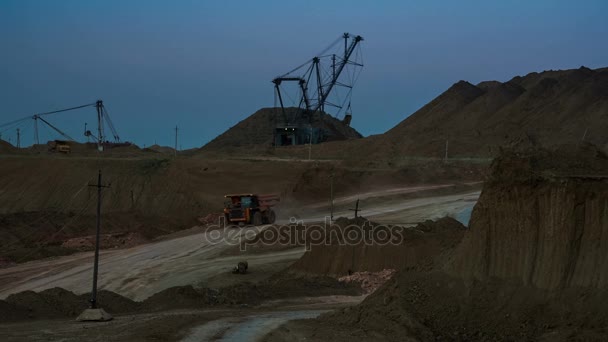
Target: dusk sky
{"x": 206, "y": 65}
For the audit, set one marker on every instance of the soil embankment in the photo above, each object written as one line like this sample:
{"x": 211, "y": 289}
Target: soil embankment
{"x": 541, "y": 218}
{"x": 359, "y": 245}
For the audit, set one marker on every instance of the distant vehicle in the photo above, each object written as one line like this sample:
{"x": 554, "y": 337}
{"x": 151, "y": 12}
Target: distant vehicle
{"x": 250, "y": 209}
{"x": 60, "y": 146}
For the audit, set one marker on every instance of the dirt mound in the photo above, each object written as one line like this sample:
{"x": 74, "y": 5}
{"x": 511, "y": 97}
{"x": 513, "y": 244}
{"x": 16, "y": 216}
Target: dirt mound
{"x": 281, "y": 285}
{"x": 370, "y": 281}
{"x": 10, "y": 312}
{"x": 420, "y": 247}
{"x": 6, "y": 147}
{"x": 59, "y": 303}
{"x": 51, "y": 303}
{"x": 162, "y": 149}
{"x": 118, "y": 240}
{"x": 259, "y": 129}
{"x": 436, "y": 306}
{"x": 292, "y": 283}
{"x": 112, "y": 302}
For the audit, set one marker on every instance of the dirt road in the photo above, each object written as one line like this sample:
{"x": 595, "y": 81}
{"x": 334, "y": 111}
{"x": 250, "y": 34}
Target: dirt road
{"x": 143, "y": 270}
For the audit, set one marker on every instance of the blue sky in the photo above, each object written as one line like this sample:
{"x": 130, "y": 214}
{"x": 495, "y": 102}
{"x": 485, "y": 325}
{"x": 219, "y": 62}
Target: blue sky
{"x": 205, "y": 65}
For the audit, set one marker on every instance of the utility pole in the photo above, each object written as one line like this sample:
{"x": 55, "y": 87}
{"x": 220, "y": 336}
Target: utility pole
{"x": 97, "y": 235}
{"x": 18, "y": 138}
{"x": 310, "y": 144}
{"x": 95, "y": 313}
{"x": 176, "y": 140}
{"x": 331, "y": 195}
{"x": 36, "y": 130}
{"x": 356, "y": 210}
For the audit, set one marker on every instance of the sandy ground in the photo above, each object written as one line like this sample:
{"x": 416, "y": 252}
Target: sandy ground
{"x": 143, "y": 270}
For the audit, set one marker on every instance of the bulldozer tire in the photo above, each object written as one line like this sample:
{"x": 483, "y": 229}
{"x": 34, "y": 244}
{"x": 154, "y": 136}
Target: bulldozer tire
{"x": 271, "y": 216}
{"x": 257, "y": 219}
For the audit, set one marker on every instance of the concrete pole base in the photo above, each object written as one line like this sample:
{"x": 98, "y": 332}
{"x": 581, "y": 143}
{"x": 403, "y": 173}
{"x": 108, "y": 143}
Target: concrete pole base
{"x": 94, "y": 315}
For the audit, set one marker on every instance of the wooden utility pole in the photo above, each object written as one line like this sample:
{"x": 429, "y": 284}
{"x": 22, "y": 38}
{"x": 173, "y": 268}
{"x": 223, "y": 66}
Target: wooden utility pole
{"x": 176, "y": 140}
{"x": 18, "y": 138}
{"x": 356, "y": 210}
{"x": 95, "y": 313}
{"x": 97, "y": 236}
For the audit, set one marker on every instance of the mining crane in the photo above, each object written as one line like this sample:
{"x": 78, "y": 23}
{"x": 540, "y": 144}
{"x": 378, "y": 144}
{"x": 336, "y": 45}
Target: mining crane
{"x": 103, "y": 118}
{"x": 324, "y": 80}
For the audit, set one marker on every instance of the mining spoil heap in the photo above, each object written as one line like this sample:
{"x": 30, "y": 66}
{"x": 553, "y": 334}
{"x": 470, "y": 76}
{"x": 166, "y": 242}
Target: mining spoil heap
{"x": 258, "y": 129}
{"x": 546, "y": 109}
{"x": 6, "y": 147}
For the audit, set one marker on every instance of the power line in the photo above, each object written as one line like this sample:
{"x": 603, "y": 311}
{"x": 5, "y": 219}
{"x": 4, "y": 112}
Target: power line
{"x": 68, "y": 109}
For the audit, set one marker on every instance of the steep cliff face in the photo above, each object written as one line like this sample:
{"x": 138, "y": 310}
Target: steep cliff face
{"x": 542, "y": 219}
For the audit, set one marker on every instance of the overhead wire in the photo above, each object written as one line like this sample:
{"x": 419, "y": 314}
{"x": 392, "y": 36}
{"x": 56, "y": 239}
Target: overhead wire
{"x": 310, "y": 61}
{"x": 28, "y": 117}
{"x": 15, "y": 121}
{"x": 67, "y": 109}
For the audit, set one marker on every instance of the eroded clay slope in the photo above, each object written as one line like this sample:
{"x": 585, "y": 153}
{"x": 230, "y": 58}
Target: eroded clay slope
{"x": 542, "y": 219}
